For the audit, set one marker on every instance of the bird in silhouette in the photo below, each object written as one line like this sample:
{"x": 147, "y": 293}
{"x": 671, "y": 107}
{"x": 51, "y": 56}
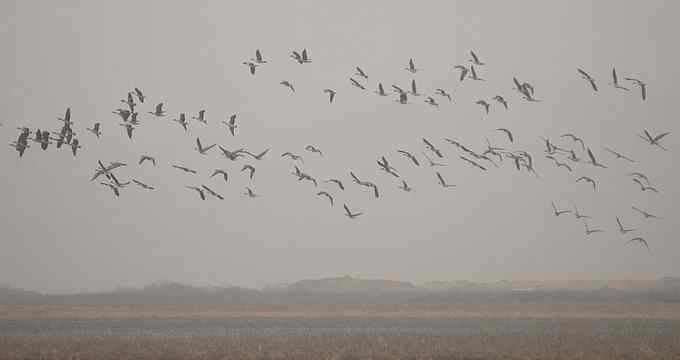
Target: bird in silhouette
{"x": 641, "y": 85}
{"x": 559, "y": 212}
{"x": 313, "y": 149}
{"x": 202, "y": 150}
{"x": 473, "y": 163}
{"x": 130, "y": 102}
{"x": 182, "y": 121}
{"x": 587, "y": 179}
{"x": 622, "y": 230}
{"x": 641, "y": 176}
{"x": 292, "y": 156}
{"x": 443, "y": 93}
{"x": 644, "y": 187}
{"x": 618, "y": 155}
{"x": 411, "y": 67}
{"x": 356, "y": 84}
{"x": 124, "y": 114}
{"x": 404, "y": 186}
{"x": 578, "y": 215}
{"x": 337, "y": 182}
{"x": 75, "y": 145}
{"x": 250, "y": 193}
{"x": 250, "y": 169}
{"x": 409, "y": 156}
{"x": 185, "y": 169}
{"x": 442, "y": 182}
{"x": 575, "y": 139}
{"x": 143, "y": 185}
{"x": 432, "y": 163}
{"x": 231, "y": 124}
{"x": 231, "y": 155}
{"x": 258, "y": 57}
{"x": 201, "y": 117}
{"x": 642, "y": 241}
{"x": 140, "y": 95}
{"x": 256, "y": 156}
{"x": 501, "y": 100}
{"x": 507, "y": 132}
{"x": 331, "y": 94}
{"x": 585, "y": 76}
{"x": 360, "y": 73}
{"x": 475, "y": 59}
{"x": 646, "y": 214}
{"x": 615, "y": 81}
{"x": 350, "y": 214}
{"x": 654, "y": 140}
{"x": 211, "y": 192}
{"x": 414, "y": 89}
{"x": 473, "y": 74}
{"x": 590, "y": 231}
{"x": 251, "y": 66}
{"x": 323, "y": 193}
{"x": 288, "y": 84}
{"x": 128, "y": 129}
{"x": 198, "y": 190}
{"x": 431, "y": 101}
{"x": 484, "y": 104}
{"x": 224, "y": 174}
{"x": 96, "y": 130}
{"x": 159, "y": 110}
{"x": 385, "y": 166}
{"x": 593, "y": 161}
{"x": 381, "y": 90}
{"x": 463, "y": 71}
{"x": 431, "y": 147}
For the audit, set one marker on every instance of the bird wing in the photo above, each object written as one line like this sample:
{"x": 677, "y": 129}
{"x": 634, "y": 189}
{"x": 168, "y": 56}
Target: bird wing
{"x": 661, "y": 136}
{"x": 258, "y": 55}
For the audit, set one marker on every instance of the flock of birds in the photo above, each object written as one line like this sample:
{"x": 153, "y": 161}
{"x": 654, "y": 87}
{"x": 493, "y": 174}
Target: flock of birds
{"x": 563, "y": 156}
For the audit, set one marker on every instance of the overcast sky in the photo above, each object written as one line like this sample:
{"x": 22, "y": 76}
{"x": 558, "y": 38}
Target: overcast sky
{"x": 62, "y": 233}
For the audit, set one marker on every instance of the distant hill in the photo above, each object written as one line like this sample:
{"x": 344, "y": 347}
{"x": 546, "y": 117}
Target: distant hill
{"x": 347, "y": 284}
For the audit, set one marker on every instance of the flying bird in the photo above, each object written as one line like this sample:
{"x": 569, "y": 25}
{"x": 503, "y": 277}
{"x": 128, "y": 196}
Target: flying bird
{"x": 140, "y": 95}
{"x": 622, "y": 230}
{"x": 643, "y": 187}
{"x": 646, "y": 214}
{"x": 231, "y": 155}
{"x": 202, "y": 150}
{"x": 575, "y": 139}
{"x": 185, "y": 169}
{"x": 200, "y": 117}
{"x": 501, "y": 100}
{"x": 251, "y": 66}
{"x": 313, "y": 149}
{"x": 484, "y": 104}
{"x": 96, "y": 130}
{"x": 431, "y": 101}
{"x": 75, "y": 146}
{"x": 463, "y": 71}
{"x": 360, "y": 73}
{"x": 128, "y": 129}
{"x": 414, "y": 90}
{"x": 124, "y": 114}
{"x": 250, "y": 193}
{"x": 431, "y": 147}
{"x": 587, "y": 179}
{"x": 224, "y": 174}
{"x": 409, "y": 156}
{"x": 350, "y": 214}
{"x": 287, "y": 84}
{"x": 559, "y": 212}
{"x": 404, "y": 186}
{"x": 442, "y": 182}
{"x": 641, "y": 85}
{"x": 356, "y": 84}
{"x": 143, "y": 185}
{"x": 385, "y": 166}
{"x": 144, "y": 158}
{"x": 323, "y": 193}
{"x": 199, "y": 190}
{"x": 182, "y": 121}
{"x": 443, "y": 93}
{"x": 615, "y": 81}
{"x": 159, "y": 110}
{"x": 258, "y": 57}
{"x": 589, "y": 78}
{"x": 475, "y": 59}
{"x": 507, "y": 132}
{"x": 473, "y": 163}
{"x": 381, "y": 90}
{"x": 641, "y": 176}
{"x": 250, "y": 169}
{"x": 642, "y": 241}
{"x": 593, "y": 161}
{"x": 337, "y": 182}
{"x": 473, "y": 74}
{"x": 231, "y": 124}
{"x": 590, "y": 231}
{"x": 653, "y": 140}
{"x": 257, "y": 156}
{"x": 211, "y": 192}
{"x": 331, "y": 94}
{"x": 619, "y": 156}
{"x": 411, "y": 67}
{"x": 292, "y": 156}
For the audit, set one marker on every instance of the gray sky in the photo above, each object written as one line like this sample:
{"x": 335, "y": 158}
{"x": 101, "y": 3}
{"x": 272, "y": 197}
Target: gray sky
{"x": 61, "y": 232}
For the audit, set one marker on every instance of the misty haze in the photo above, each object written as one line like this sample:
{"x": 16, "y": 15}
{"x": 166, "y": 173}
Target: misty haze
{"x": 339, "y": 180}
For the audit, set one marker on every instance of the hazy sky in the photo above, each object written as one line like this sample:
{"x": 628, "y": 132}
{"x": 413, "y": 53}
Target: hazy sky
{"x": 61, "y": 232}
